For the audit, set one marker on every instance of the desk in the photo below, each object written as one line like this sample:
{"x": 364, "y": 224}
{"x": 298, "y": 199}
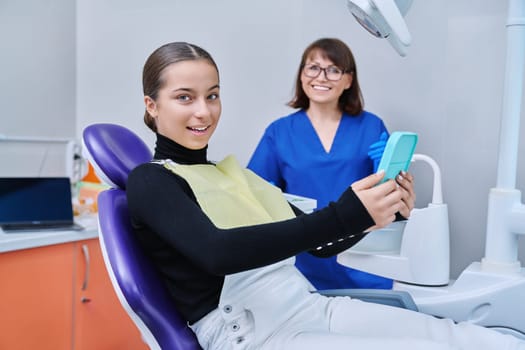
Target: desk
{"x": 17, "y": 241}
{"x": 55, "y": 294}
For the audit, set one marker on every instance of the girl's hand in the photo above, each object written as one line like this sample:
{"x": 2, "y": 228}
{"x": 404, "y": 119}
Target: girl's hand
{"x": 382, "y": 201}
{"x": 406, "y": 183}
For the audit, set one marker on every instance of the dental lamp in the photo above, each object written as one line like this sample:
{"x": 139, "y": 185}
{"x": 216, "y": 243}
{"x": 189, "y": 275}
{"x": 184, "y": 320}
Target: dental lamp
{"x": 384, "y": 19}
{"x": 489, "y": 292}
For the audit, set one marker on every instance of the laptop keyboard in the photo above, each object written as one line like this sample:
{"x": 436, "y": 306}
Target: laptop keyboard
{"x": 42, "y": 227}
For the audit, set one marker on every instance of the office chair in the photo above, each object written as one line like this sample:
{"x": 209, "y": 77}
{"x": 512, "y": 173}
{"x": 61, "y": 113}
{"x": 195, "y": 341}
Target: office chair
{"x": 113, "y": 152}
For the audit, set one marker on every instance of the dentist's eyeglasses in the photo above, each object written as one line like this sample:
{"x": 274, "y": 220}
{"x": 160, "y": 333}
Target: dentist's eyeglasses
{"x": 332, "y": 73}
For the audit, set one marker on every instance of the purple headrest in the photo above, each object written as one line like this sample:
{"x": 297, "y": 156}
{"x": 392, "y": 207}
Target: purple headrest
{"x": 114, "y": 151}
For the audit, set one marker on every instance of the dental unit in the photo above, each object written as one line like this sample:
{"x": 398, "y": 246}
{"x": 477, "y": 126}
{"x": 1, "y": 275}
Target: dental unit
{"x": 416, "y": 253}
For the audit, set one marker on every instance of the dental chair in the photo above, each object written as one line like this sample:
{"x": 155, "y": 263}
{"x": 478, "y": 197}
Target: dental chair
{"x": 114, "y": 151}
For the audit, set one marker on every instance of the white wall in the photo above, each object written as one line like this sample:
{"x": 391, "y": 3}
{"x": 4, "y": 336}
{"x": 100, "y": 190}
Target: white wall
{"x": 448, "y": 88}
{"x": 37, "y": 84}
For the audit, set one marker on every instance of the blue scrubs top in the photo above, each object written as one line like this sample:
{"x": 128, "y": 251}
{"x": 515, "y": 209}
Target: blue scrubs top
{"x": 291, "y": 155}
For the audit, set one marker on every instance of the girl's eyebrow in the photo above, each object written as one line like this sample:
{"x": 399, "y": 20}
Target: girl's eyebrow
{"x": 216, "y": 86}
{"x": 182, "y": 89}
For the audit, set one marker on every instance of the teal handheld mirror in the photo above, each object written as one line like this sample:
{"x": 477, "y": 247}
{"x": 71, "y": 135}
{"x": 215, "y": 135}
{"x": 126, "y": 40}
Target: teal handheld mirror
{"x": 398, "y": 153}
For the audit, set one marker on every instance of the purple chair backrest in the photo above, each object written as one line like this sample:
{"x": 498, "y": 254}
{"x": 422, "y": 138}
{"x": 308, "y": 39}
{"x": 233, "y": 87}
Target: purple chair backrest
{"x": 114, "y": 151}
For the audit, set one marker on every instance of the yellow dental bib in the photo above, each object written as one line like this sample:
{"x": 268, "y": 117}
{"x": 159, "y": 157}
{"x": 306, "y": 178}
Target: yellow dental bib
{"x": 232, "y": 196}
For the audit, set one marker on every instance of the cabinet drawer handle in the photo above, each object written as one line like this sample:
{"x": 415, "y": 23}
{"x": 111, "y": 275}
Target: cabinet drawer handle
{"x": 85, "y": 251}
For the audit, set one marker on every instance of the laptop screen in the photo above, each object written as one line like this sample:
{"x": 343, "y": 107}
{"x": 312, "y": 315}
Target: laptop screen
{"x": 35, "y": 200}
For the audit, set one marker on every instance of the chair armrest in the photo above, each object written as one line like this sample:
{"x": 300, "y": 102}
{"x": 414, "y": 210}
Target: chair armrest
{"x": 397, "y": 298}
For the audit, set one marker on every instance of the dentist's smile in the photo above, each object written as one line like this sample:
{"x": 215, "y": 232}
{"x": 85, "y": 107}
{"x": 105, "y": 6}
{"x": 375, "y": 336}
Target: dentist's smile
{"x": 321, "y": 88}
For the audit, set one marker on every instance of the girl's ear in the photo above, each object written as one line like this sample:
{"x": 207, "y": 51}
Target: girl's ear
{"x": 151, "y": 106}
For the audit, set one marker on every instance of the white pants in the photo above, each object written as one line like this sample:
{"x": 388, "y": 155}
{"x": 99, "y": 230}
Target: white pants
{"x": 331, "y": 323}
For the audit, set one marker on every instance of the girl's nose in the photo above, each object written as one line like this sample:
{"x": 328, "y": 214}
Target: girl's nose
{"x": 202, "y": 109}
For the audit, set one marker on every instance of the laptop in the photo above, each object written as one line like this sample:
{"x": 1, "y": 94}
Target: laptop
{"x": 36, "y": 204}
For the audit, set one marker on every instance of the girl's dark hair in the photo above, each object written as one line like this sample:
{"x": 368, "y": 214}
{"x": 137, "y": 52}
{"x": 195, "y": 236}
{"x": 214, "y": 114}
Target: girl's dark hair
{"x": 152, "y": 77}
{"x": 351, "y": 100}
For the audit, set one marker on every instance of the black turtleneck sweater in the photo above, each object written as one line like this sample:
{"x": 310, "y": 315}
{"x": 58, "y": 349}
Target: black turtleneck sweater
{"x": 193, "y": 255}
